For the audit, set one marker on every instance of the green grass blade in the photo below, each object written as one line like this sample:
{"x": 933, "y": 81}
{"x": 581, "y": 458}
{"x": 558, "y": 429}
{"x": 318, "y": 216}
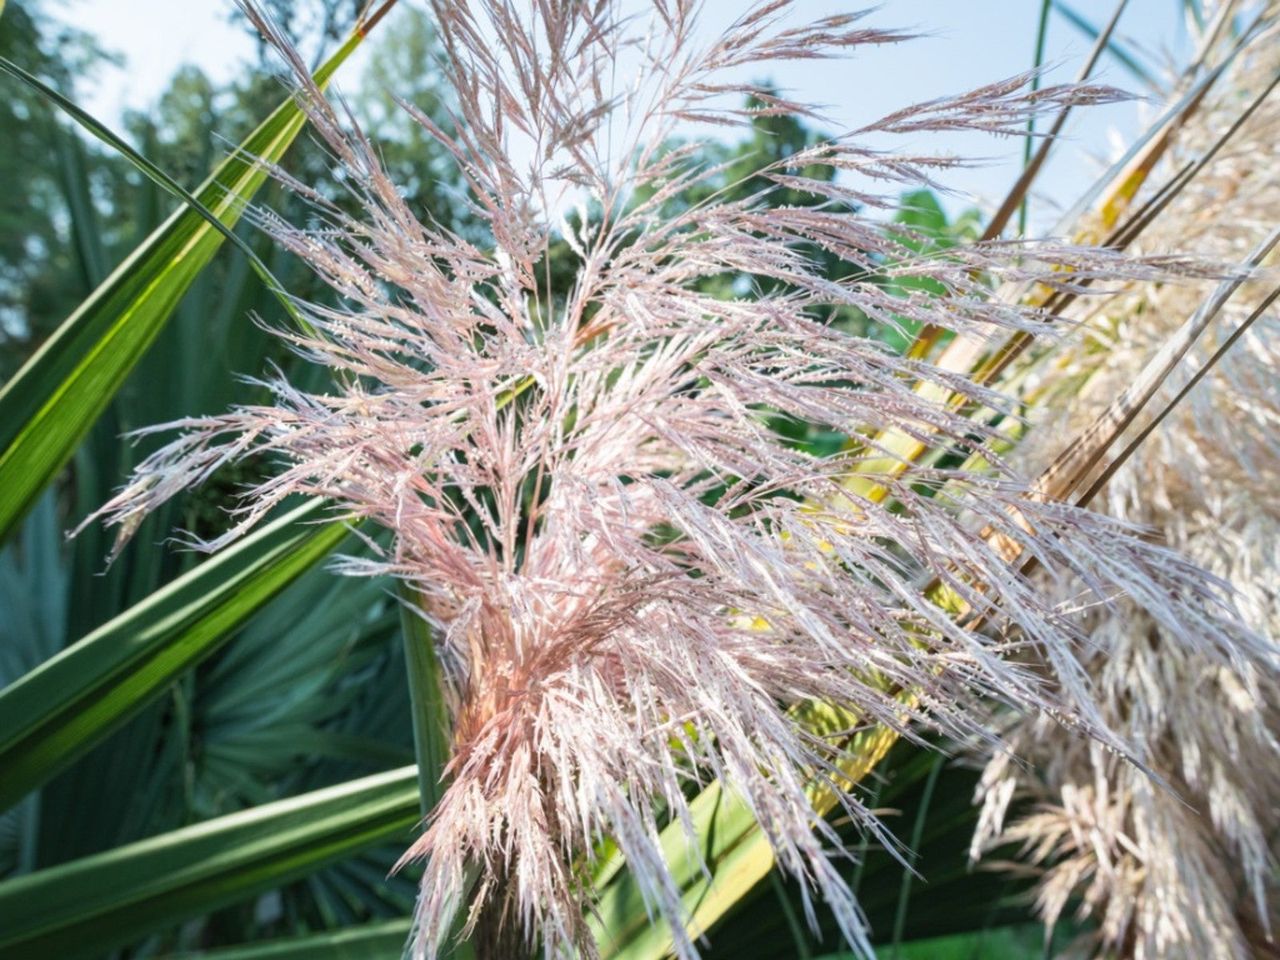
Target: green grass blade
{"x": 76, "y": 185}
{"x": 84, "y": 231}
{"x": 430, "y": 714}
{"x": 49, "y": 405}
{"x": 373, "y": 941}
{"x": 904, "y": 892}
{"x": 73, "y": 701}
{"x": 947, "y": 895}
{"x": 85, "y": 907}
{"x": 1042, "y": 33}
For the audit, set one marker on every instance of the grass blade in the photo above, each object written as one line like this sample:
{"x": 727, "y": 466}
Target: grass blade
{"x": 373, "y": 941}
{"x": 1078, "y": 459}
{"x": 85, "y": 907}
{"x": 60, "y": 710}
{"x": 148, "y": 169}
{"x": 1017, "y": 196}
{"x": 1042, "y": 33}
{"x": 430, "y": 713}
{"x": 1168, "y": 408}
{"x": 904, "y": 892}
{"x": 737, "y": 854}
{"x": 50, "y": 404}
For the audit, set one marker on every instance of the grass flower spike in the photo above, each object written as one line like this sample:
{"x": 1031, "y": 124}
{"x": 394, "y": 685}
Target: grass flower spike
{"x": 635, "y": 558}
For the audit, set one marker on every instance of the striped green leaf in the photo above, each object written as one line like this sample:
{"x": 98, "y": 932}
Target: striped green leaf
{"x": 374, "y": 941}
{"x": 50, "y": 404}
{"x": 430, "y": 714}
{"x": 73, "y": 701}
{"x": 735, "y": 851}
{"x": 86, "y": 907}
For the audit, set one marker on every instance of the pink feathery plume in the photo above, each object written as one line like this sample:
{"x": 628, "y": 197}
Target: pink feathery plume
{"x": 632, "y": 573}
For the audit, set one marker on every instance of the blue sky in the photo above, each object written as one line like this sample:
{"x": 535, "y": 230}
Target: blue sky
{"x": 969, "y": 42}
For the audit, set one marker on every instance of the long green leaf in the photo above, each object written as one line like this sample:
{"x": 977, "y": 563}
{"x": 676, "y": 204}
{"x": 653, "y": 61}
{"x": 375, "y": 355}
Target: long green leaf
{"x": 86, "y": 907}
{"x": 1042, "y": 33}
{"x": 78, "y": 186}
{"x": 430, "y": 715}
{"x": 49, "y": 405}
{"x": 73, "y": 701}
{"x": 374, "y": 941}
{"x": 948, "y": 895}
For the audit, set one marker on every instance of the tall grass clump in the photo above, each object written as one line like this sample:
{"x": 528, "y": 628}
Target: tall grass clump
{"x": 1187, "y": 867}
{"x": 600, "y": 497}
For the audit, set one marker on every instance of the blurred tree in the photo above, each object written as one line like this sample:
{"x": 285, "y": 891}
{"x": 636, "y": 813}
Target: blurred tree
{"x": 50, "y": 256}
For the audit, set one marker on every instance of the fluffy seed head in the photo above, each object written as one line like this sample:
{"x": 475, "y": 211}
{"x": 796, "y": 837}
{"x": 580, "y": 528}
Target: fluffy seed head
{"x": 633, "y": 569}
